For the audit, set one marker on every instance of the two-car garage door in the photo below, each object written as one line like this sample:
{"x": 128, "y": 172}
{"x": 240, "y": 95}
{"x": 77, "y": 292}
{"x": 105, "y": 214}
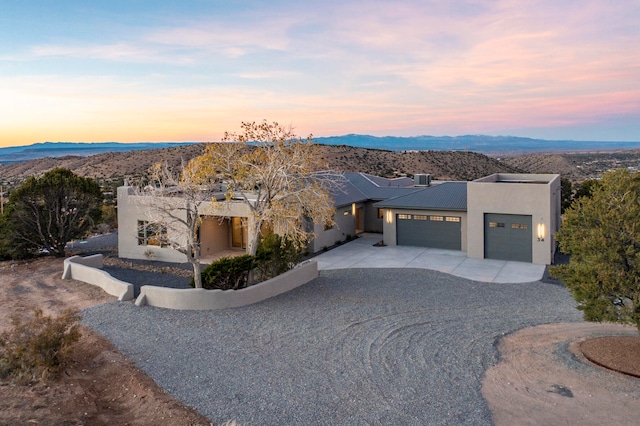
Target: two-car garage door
{"x": 434, "y": 231}
{"x": 506, "y": 236}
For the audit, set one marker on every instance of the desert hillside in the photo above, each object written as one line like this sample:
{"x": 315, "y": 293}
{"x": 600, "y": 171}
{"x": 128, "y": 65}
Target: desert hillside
{"x": 110, "y": 165}
{"x": 444, "y": 165}
{"x": 576, "y": 166}
{"x": 451, "y": 165}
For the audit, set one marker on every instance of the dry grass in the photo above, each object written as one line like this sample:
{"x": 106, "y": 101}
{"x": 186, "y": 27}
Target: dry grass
{"x": 38, "y": 348}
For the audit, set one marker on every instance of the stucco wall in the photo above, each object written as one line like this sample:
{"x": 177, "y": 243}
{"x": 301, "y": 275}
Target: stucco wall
{"x": 215, "y": 236}
{"x": 493, "y": 195}
{"x": 132, "y": 208}
{"x": 200, "y": 299}
{"x": 345, "y": 225}
{"x": 88, "y": 270}
{"x": 371, "y": 221}
{"x": 390, "y": 234}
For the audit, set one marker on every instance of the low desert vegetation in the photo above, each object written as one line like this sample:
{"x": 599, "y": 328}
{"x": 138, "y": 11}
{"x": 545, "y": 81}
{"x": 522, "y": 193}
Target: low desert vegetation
{"x": 37, "y": 349}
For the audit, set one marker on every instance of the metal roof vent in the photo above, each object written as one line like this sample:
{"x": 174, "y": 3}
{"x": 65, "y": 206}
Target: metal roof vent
{"x": 421, "y": 180}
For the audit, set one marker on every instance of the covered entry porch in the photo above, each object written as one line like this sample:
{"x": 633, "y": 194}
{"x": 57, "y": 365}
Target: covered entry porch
{"x": 222, "y": 237}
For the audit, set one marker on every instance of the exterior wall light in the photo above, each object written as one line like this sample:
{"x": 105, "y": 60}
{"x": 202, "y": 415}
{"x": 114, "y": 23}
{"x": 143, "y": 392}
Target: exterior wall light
{"x": 389, "y": 215}
{"x": 353, "y": 209}
{"x": 541, "y": 231}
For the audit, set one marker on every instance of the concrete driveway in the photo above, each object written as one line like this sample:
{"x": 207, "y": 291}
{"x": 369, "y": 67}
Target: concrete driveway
{"x": 361, "y": 253}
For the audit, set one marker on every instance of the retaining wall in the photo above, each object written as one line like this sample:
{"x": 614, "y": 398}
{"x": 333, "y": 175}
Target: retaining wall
{"x": 89, "y": 270}
{"x": 201, "y": 299}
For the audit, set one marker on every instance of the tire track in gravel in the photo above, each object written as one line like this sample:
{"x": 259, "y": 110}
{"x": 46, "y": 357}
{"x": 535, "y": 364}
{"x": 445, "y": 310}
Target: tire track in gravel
{"x": 358, "y": 346}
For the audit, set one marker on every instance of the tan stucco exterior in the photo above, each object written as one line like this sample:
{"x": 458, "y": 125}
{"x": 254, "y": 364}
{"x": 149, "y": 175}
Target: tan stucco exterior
{"x": 215, "y": 232}
{"x": 537, "y": 195}
{"x": 345, "y": 226}
{"x": 215, "y": 235}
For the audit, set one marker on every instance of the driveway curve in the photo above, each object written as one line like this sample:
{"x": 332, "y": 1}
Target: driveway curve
{"x": 356, "y": 346}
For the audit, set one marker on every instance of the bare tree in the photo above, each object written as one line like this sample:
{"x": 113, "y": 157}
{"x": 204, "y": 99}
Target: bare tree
{"x": 279, "y": 176}
{"x": 175, "y": 203}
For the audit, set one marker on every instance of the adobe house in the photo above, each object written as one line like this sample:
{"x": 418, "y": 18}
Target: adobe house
{"x": 139, "y": 236}
{"x": 501, "y": 216}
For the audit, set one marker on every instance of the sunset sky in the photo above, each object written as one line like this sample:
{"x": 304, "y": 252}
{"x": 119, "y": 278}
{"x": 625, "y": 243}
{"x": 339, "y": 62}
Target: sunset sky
{"x": 189, "y": 70}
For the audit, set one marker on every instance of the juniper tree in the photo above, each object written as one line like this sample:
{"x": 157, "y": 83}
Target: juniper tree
{"x": 602, "y": 234}
{"x": 49, "y": 211}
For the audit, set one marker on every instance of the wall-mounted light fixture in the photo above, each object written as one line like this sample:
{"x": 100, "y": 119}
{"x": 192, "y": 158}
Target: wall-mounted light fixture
{"x": 353, "y": 209}
{"x": 389, "y": 215}
{"x": 540, "y": 231}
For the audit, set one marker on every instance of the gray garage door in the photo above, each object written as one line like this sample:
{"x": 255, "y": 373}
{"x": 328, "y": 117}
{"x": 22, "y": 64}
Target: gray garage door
{"x": 507, "y": 237}
{"x": 429, "y": 231}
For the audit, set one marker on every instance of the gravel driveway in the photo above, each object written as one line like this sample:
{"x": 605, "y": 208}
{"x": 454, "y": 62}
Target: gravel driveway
{"x": 357, "y": 346}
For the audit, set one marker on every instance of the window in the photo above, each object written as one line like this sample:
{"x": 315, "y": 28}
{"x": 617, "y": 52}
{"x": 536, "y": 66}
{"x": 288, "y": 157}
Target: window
{"x": 151, "y": 234}
{"x": 404, "y": 216}
{"x": 419, "y": 217}
{"x": 496, "y": 225}
{"x": 380, "y": 213}
{"x": 519, "y": 226}
{"x": 436, "y": 218}
{"x": 452, "y": 219}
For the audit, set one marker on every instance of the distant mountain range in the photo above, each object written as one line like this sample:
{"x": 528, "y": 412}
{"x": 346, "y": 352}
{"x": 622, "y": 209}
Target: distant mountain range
{"x": 16, "y": 154}
{"x": 490, "y": 145}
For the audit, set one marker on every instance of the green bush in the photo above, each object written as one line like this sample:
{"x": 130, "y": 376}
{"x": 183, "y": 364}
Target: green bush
{"x": 275, "y": 255}
{"x": 228, "y": 273}
{"x": 38, "y": 348}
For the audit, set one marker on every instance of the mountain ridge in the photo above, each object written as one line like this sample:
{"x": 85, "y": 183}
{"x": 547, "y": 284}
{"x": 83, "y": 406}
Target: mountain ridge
{"x": 489, "y": 145}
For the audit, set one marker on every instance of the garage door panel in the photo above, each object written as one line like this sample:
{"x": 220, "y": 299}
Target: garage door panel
{"x": 429, "y": 231}
{"x": 508, "y": 237}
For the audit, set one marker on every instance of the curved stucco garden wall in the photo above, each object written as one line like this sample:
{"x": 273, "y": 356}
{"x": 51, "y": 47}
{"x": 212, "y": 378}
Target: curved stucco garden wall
{"x": 201, "y": 299}
{"x": 89, "y": 270}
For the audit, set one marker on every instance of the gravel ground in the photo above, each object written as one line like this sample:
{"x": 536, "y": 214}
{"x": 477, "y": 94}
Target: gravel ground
{"x": 140, "y": 278}
{"x": 107, "y": 244}
{"x": 358, "y": 346}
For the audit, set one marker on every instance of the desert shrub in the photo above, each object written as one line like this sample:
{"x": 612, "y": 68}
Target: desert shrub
{"x": 109, "y": 215}
{"x": 5, "y": 238}
{"x": 228, "y": 273}
{"x": 37, "y": 349}
{"x": 275, "y": 255}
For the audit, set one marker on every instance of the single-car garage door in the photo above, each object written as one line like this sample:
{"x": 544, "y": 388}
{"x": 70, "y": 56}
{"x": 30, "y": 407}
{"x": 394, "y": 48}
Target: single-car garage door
{"x": 429, "y": 231}
{"x": 507, "y": 237}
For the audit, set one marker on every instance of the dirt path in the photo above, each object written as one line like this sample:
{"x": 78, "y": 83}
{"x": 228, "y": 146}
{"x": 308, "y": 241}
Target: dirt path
{"x": 100, "y": 387}
{"x": 543, "y": 378}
